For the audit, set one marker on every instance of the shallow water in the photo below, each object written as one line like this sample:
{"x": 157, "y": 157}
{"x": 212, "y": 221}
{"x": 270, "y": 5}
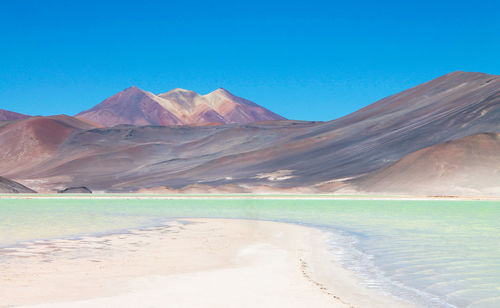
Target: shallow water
{"x": 435, "y": 253}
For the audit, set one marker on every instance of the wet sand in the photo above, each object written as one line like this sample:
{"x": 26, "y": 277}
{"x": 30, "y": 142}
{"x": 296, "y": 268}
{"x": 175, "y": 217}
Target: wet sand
{"x": 186, "y": 263}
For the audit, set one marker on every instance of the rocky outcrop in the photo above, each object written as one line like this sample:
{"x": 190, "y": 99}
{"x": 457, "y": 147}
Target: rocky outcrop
{"x": 75, "y": 190}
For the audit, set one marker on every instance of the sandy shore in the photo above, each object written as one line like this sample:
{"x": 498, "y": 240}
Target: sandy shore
{"x": 192, "y": 263}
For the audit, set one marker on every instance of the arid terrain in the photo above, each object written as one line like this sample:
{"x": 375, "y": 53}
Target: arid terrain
{"x": 439, "y": 138}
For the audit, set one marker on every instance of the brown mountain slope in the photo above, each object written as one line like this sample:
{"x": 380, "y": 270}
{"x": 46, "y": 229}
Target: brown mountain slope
{"x": 125, "y": 158}
{"x": 6, "y": 115}
{"x": 469, "y": 165}
{"x": 29, "y": 142}
{"x": 177, "y": 107}
{"x": 10, "y": 187}
{"x": 449, "y": 107}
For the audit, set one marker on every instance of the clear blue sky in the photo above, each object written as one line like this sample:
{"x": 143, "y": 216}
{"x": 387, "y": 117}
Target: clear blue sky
{"x": 308, "y": 60}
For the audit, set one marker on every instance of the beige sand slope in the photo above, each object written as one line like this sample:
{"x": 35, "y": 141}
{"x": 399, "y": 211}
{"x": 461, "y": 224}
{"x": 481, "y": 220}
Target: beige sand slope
{"x": 466, "y": 166}
{"x": 208, "y": 263}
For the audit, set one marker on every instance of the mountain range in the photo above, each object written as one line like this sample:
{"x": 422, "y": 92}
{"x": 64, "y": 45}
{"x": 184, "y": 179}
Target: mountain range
{"x": 439, "y": 138}
{"x": 177, "y": 107}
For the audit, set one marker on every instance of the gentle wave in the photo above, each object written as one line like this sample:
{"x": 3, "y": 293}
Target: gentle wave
{"x": 345, "y": 249}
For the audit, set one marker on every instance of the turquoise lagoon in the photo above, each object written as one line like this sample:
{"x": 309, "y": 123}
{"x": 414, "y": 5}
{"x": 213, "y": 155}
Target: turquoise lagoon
{"x": 438, "y": 253}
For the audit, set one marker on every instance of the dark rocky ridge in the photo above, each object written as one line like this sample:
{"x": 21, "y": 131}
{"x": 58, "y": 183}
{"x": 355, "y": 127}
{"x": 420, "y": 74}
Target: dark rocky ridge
{"x": 75, "y": 190}
{"x": 11, "y": 187}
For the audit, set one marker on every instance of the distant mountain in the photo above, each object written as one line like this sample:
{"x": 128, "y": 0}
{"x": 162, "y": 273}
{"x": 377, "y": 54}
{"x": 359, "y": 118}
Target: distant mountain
{"x": 130, "y": 106}
{"x": 6, "y": 115}
{"x": 466, "y": 166}
{"x": 177, "y": 107}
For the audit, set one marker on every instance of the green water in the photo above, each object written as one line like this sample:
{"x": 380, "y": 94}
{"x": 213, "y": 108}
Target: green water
{"x": 434, "y": 253}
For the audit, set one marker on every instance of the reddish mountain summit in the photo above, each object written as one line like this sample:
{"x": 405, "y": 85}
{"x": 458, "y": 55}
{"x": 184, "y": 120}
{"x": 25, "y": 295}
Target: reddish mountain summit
{"x": 176, "y": 107}
{"x": 130, "y": 106}
{"x": 6, "y": 115}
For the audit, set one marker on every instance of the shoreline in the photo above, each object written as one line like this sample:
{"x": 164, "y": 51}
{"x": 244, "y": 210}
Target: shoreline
{"x": 248, "y": 196}
{"x": 283, "y": 264}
